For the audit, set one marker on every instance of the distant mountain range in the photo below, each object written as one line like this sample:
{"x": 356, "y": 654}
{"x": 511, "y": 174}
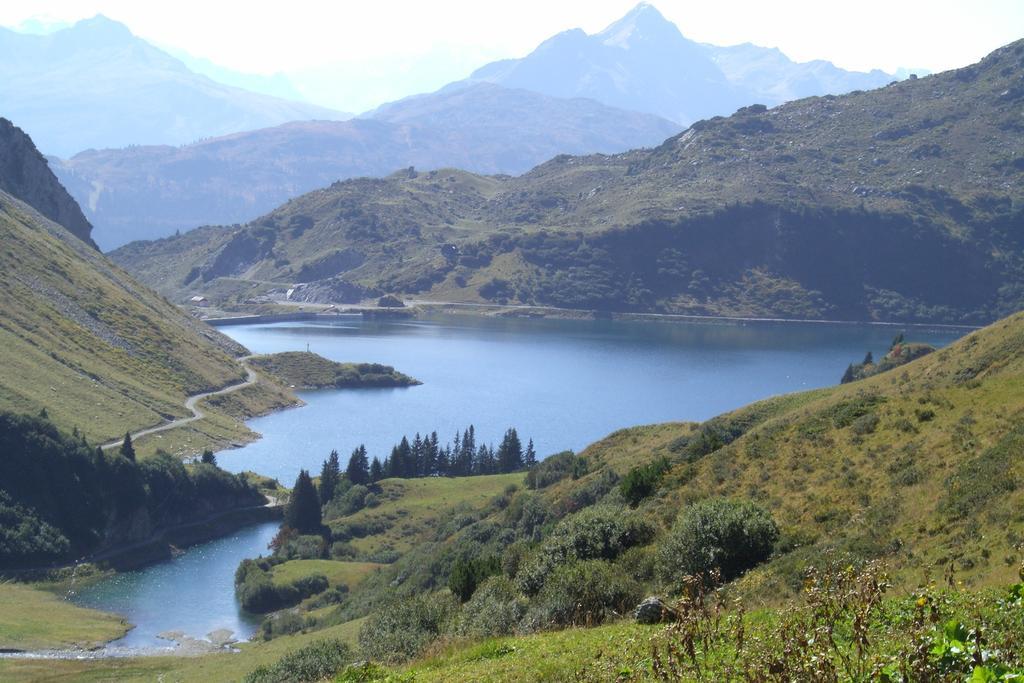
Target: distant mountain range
{"x": 157, "y": 159}
{"x": 902, "y": 203}
{"x": 147, "y": 192}
{"x": 95, "y": 85}
{"x": 643, "y": 62}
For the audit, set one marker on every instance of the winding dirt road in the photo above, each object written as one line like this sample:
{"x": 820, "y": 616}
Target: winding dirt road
{"x": 192, "y": 405}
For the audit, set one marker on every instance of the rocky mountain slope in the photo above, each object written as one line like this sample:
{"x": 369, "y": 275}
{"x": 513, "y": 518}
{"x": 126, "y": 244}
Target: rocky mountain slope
{"x": 902, "y": 203}
{"x": 25, "y": 174}
{"x": 149, "y": 192}
{"x": 96, "y": 85}
{"x": 643, "y": 62}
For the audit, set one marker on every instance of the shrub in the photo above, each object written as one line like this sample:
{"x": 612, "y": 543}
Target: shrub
{"x": 311, "y": 585}
{"x": 468, "y": 573}
{"x": 401, "y": 629}
{"x": 865, "y": 424}
{"x": 555, "y": 468}
{"x": 495, "y": 609}
{"x": 283, "y": 624}
{"x": 643, "y": 481}
{"x": 528, "y": 514}
{"x": 583, "y": 594}
{"x": 731, "y": 536}
{"x": 601, "y": 532}
{"x": 315, "y": 662}
{"x": 349, "y": 503}
{"x": 307, "y": 547}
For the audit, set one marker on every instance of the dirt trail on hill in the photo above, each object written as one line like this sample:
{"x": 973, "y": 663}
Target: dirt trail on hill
{"x": 192, "y": 405}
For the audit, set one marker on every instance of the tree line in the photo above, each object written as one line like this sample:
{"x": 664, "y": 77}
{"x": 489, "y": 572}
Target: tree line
{"x": 426, "y": 457}
{"x": 420, "y": 457}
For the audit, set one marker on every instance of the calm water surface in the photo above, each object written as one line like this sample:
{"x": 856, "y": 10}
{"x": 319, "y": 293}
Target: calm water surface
{"x": 563, "y": 383}
{"x": 193, "y": 593}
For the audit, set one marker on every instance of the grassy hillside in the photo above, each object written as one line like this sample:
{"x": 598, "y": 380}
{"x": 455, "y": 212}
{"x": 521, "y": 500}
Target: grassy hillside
{"x": 80, "y": 338}
{"x": 896, "y": 204}
{"x": 310, "y": 371}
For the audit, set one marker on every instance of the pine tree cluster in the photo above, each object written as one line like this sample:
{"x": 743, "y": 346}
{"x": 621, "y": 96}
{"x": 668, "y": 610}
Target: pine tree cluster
{"x": 426, "y": 457}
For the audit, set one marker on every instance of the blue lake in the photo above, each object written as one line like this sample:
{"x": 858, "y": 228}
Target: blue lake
{"x": 563, "y": 383}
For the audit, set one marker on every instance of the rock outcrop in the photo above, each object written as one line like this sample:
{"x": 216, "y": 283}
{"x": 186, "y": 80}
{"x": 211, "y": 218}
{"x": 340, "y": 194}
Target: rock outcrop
{"x": 24, "y": 174}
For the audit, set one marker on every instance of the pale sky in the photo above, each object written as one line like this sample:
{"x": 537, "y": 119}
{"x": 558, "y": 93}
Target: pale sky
{"x": 459, "y": 35}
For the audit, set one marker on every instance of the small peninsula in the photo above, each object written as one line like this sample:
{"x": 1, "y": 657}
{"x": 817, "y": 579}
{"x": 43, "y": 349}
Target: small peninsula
{"x": 306, "y": 370}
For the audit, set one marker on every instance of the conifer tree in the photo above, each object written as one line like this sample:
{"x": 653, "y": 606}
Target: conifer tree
{"x": 208, "y": 458}
{"x": 434, "y": 454}
{"x": 869, "y": 359}
{"x": 510, "y": 452}
{"x": 416, "y": 457}
{"x": 530, "y": 457}
{"x": 330, "y": 477}
{"x": 127, "y": 449}
{"x": 303, "y": 510}
{"x": 376, "y": 470}
{"x": 358, "y": 469}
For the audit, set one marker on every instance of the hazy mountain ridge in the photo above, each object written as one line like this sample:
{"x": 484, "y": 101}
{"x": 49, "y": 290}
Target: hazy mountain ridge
{"x": 896, "y": 204}
{"x": 149, "y": 191}
{"x": 96, "y": 85}
{"x": 643, "y": 62}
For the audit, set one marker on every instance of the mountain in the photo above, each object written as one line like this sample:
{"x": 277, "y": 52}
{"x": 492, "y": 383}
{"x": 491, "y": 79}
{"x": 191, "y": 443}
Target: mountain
{"x": 25, "y": 174}
{"x": 148, "y": 192}
{"x": 79, "y": 337}
{"x": 643, "y": 62}
{"x": 772, "y": 78}
{"x": 96, "y": 85}
{"x": 902, "y": 203}
{"x": 276, "y": 85}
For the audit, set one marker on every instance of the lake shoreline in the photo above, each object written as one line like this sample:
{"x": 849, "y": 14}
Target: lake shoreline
{"x": 539, "y": 312}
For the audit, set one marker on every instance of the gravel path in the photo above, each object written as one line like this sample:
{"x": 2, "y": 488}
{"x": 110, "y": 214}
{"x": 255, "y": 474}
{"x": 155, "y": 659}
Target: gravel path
{"x": 192, "y": 405}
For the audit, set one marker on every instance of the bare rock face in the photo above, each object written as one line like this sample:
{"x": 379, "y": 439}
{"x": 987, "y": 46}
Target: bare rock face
{"x": 653, "y": 611}
{"x": 24, "y": 174}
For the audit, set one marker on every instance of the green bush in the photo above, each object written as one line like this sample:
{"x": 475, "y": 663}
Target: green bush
{"x": 468, "y": 573}
{"x": 865, "y": 424}
{"x": 643, "y": 481}
{"x": 349, "y": 503}
{"x": 315, "y": 662}
{"x": 401, "y": 629}
{"x": 306, "y": 547}
{"x": 258, "y": 593}
{"x": 283, "y": 624}
{"x": 555, "y": 468}
{"x": 583, "y": 594}
{"x": 311, "y": 585}
{"x": 601, "y": 532}
{"x": 495, "y": 609}
{"x": 729, "y": 535}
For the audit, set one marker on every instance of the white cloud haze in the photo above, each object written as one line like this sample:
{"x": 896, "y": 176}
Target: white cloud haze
{"x": 383, "y": 39}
